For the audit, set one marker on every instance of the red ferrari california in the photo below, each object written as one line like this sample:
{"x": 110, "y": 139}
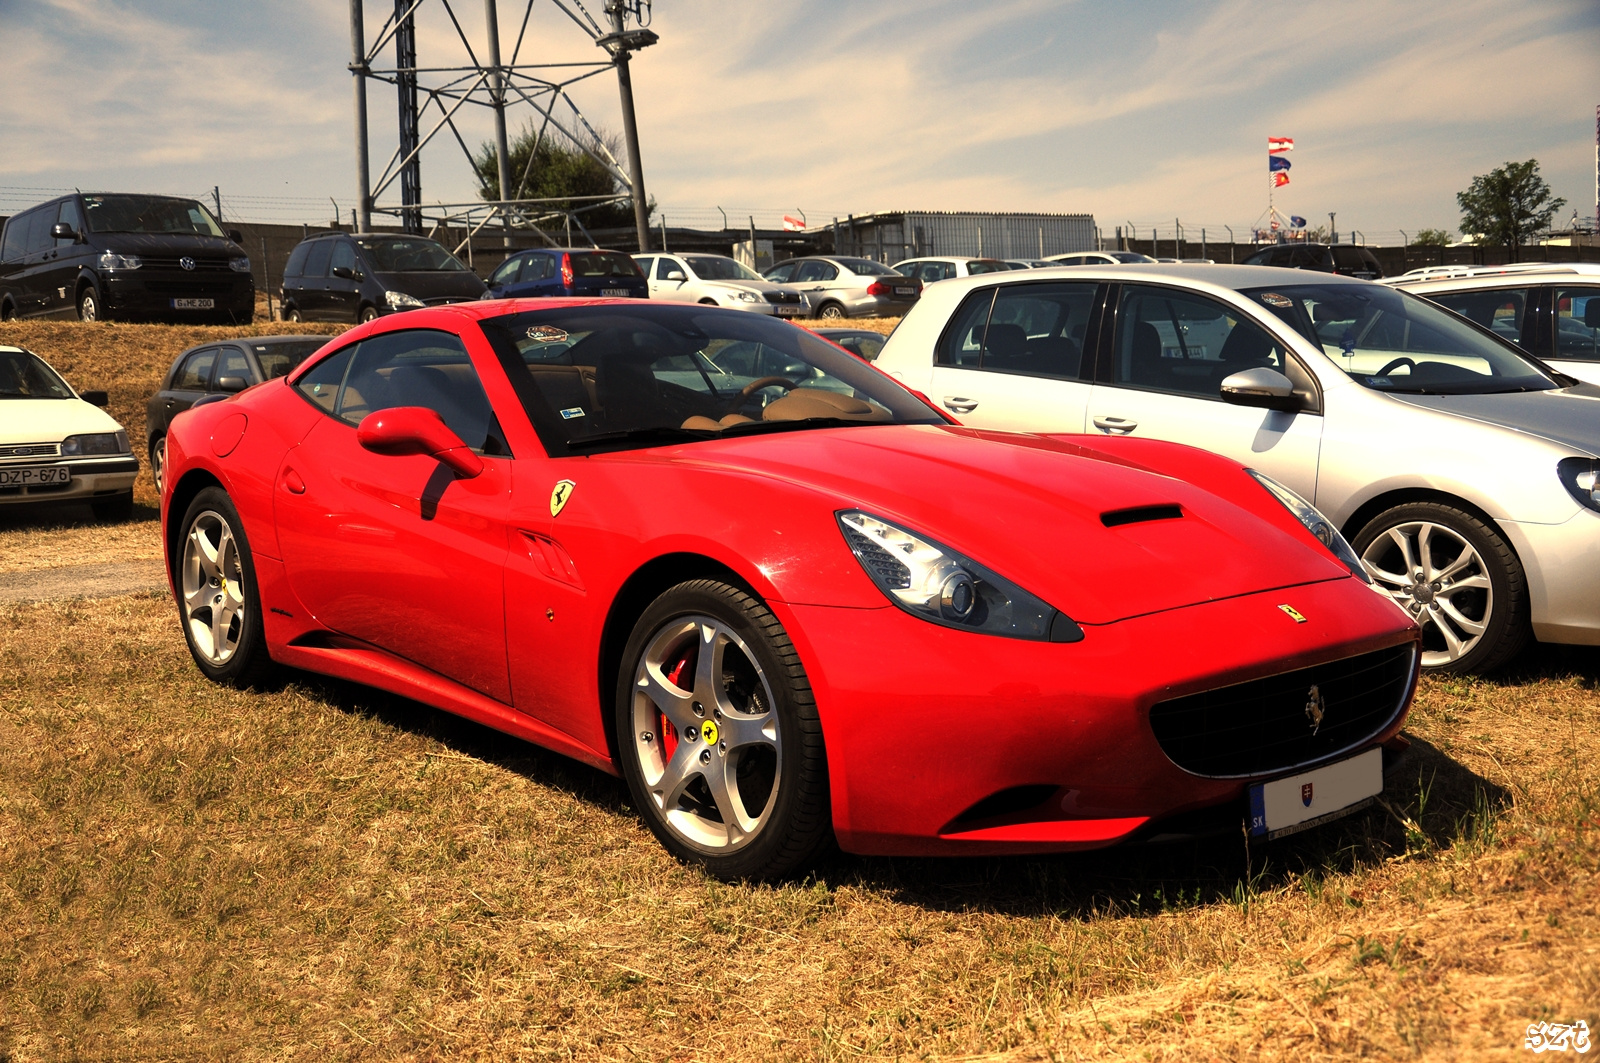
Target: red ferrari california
{"x": 781, "y": 595}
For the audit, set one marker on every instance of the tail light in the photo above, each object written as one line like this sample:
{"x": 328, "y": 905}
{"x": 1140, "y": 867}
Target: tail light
{"x": 566, "y": 270}
{"x": 878, "y": 288}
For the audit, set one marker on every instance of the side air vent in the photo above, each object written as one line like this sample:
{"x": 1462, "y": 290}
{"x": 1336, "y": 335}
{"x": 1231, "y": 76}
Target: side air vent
{"x": 1139, "y": 514}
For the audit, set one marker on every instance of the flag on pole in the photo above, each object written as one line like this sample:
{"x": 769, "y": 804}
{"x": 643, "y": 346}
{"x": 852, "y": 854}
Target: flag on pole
{"x": 1279, "y": 179}
{"x": 1277, "y": 144}
{"x": 1296, "y": 222}
{"x": 793, "y": 225}
{"x": 1276, "y": 163}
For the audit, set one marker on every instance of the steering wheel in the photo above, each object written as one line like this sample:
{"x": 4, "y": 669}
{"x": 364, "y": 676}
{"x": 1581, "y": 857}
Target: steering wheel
{"x": 755, "y": 386}
{"x": 1395, "y": 364}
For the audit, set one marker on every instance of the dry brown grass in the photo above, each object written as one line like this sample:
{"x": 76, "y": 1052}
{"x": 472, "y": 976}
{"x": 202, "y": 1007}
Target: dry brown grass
{"x": 322, "y": 871}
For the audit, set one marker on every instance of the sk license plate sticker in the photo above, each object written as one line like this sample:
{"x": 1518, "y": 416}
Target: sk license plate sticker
{"x": 1285, "y": 806}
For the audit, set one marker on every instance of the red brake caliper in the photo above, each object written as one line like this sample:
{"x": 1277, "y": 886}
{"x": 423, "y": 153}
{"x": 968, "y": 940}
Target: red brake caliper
{"x": 665, "y": 727}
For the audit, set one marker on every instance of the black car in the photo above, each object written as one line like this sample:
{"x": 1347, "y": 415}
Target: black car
{"x": 339, "y": 277}
{"x": 214, "y": 371}
{"x": 568, "y": 271}
{"x": 1347, "y": 260}
{"x": 117, "y": 256}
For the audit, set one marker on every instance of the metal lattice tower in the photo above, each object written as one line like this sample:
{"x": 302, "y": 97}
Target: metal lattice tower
{"x": 431, "y": 97}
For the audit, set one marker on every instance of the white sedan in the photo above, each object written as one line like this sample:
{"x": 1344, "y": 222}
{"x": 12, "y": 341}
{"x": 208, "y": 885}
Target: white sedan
{"x": 1464, "y": 474}
{"x": 57, "y": 445}
{"x": 717, "y": 280}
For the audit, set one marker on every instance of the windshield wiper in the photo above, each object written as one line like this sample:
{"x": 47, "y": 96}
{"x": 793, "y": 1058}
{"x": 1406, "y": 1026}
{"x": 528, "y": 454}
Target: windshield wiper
{"x": 659, "y": 435}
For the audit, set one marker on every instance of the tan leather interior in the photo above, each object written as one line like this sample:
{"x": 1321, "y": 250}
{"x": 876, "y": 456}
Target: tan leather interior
{"x": 797, "y": 405}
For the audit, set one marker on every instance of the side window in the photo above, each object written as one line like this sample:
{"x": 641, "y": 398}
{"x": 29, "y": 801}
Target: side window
{"x": 1578, "y": 323}
{"x": 962, "y": 343}
{"x": 1185, "y": 344}
{"x": 196, "y": 372}
{"x": 666, "y": 266}
{"x": 645, "y": 265}
{"x": 39, "y": 238}
{"x": 782, "y": 274}
{"x": 507, "y": 271}
{"x": 16, "y": 240}
{"x": 1039, "y": 328}
{"x": 69, "y": 216}
{"x": 420, "y": 368}
{"x": 539, "y": 268}
{"x": 297, "y": 261}
{"x": 321, "y": 383}
{"x": 344, "y": 255}
{"x": 317, "y": 259}
{"x": 814, "y": 270}
{"x": 1500, "y": 311}
{"x": 233, "y": 363}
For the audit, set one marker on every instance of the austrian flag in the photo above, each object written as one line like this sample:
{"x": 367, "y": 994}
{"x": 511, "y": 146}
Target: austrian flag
{"x": 1277, "y": 144}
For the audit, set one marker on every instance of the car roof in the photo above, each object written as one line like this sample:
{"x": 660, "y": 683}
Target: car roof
{"x": 1498, "y": 277}
{"x": 1231, "y": 277}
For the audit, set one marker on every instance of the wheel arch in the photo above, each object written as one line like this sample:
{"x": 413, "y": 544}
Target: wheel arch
{"x": 844, "y": 311}
{"x": 8, "y": 308}
{"x": 183, "y": 492}
{"x": 1369, "y": 509}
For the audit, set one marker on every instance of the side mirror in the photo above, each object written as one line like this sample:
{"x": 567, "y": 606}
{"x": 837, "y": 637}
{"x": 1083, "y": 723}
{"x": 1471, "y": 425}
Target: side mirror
{"x": 236, "y": 236}
{"x": 676, "y": 275}
{"x": 232, "y": 383}
{"x": 417, "y": 430}
{"x": 95, "y": 398}
{"x": 62, "y": 231}
{"x": 343, "y": 271}
{"x": 1591, "y": 313}
{"x": 1263, "y": 387}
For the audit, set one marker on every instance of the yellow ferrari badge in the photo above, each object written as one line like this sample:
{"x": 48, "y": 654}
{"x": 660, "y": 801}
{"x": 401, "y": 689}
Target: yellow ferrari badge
{"x": 559, "y": 496}
{"x": 708, "y": 731}
{"x": 1294, "y": 614}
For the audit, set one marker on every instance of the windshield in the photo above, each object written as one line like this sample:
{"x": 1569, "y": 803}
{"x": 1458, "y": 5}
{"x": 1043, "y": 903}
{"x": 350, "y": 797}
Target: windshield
{"x": 598, "y": 378}
{"x": 1392, "y": 341}
{"x": 25, "y": 376}
{"x": 408, "y": 254}
{"x": 716, "y": 268}
{"x": 148, "y": 214}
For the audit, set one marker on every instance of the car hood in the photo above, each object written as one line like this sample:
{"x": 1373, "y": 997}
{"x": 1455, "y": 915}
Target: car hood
{"x": 50, "y": 420}
{"x": 434, "y": 284}
{"x": 1029, "y": 507}
{"x": 1570, "y": 416}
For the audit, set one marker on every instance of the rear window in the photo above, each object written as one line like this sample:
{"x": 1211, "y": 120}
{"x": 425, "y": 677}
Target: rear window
{"x": 276, "y": 359}
{"x": 866, "y": 267}
{"x": 604, "y": 264}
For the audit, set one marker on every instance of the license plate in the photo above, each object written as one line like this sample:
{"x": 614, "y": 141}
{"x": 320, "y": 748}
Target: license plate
{"x": 35, "y": 476}
{"x": 905, "y": 291}
{"x": 1285, "y": 806}
{"x": 193, "y": 304}
{"x": 788, "y": 311}
{"x": 615, "y": 291}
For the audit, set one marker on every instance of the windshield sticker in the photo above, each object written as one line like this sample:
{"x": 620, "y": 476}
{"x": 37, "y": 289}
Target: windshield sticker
{"x": 1283, "y": 302}
{"x": 571, "y": 412}
{"x": 546, "y": 334}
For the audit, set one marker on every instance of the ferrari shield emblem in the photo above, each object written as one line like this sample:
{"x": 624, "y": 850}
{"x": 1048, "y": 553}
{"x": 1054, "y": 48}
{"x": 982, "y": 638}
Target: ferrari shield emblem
{"x": 559, "y": 495}
{"x": 1305, "y": 794}
{"x": 1293, "y": 614}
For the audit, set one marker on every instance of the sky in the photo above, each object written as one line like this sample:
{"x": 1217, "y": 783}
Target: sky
{"x": 1138, "y": 112}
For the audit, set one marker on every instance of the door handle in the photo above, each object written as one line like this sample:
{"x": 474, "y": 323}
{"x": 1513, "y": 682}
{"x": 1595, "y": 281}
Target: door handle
{"x": 958, "y": 404}
{"x": 1123, "y": 425}
{"x": 292, "y": 481}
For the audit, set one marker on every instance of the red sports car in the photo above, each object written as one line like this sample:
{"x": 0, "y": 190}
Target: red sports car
{"x": 780, "y": 594}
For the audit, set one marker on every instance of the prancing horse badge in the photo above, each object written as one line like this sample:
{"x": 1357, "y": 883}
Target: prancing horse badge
{"x": 559, "y": 495}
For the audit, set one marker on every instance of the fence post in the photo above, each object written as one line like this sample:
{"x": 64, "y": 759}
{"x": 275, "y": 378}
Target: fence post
{"x": 266, "y": 277}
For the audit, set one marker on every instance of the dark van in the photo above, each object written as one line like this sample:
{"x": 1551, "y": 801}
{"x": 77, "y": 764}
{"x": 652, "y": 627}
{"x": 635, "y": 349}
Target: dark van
{"x": 1347, "y": 260}
{"x": 125, "y": 257}
{"x": 339, "y": 277}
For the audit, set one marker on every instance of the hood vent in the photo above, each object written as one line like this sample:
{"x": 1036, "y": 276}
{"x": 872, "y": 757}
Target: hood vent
{"x": 1139, "y": 514}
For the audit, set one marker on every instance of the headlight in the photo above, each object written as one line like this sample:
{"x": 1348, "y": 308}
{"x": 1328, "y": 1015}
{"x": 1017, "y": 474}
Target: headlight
{"x": 941, "y": 586}
{"x": 241, "y": 264}
{"x": 744, "y": 297}
{"x": 98, "y": 443}
{"x": 401, "y": 301}
{"x": 1581, "y": 478}
{"x": 111, "y": 260}
{"x": 1315, "y": 523}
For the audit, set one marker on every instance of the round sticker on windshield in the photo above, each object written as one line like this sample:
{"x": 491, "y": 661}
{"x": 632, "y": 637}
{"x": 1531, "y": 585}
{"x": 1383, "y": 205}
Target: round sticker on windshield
{"x": 1270, "y": 298}
{"x": 546, "y": 334}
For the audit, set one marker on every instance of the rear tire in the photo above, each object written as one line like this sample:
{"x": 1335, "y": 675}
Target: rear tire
{"x": 718, "y": 735}
{"x": 831, "y": 312}
{"x": 158, "y": 460}
{"x": 115, "y": 509}
{"x": 218, "y": 605}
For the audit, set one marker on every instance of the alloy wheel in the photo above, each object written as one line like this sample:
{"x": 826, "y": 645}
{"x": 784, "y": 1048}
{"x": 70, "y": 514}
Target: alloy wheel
{"x": 158, "y": 461}
{"x": 706, "y": 735}
{"x": 1441, "y": 580}
{"x": 213, "y": 587}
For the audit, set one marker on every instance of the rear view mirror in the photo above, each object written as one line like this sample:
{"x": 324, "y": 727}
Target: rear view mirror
{"x": 1262, "y": 387}
{"x": 232, "y": 383}
{"x": 1591, "y": 313}
{"x": 406, "y": 430}
{"x": 95, "y": 398}
{"x": 62, "y": 231}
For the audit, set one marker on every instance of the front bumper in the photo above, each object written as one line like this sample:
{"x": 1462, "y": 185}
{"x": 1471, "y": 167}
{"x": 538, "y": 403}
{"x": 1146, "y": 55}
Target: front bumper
{"x": 91, "y": 478}
{"x": 149, "y": 294}
{"x": 916, "y": 738}
{"x": 1562, "y": 563}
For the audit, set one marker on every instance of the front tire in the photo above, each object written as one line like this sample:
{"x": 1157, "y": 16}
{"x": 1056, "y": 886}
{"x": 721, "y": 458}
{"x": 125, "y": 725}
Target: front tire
{"x": 294, "y": 315}
{"x": 89, "y": 308}
{"x": 718, "y": 734}
{"x": 367, "y": 313}
{"x": 1457, "y": 577}
{"x": 217, "y": 599}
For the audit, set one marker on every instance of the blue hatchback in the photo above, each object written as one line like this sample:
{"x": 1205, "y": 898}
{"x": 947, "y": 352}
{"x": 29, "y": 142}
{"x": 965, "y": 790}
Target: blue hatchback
{"x": 556, "y": 271}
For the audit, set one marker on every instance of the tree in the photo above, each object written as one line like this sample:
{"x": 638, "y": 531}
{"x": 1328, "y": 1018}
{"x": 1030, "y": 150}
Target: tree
{"x": 560, "y": 169}
{"x": 1508, "y": 205}
{"x": 1433, "y": 238}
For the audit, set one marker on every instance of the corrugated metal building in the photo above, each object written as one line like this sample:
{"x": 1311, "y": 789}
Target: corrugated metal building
{"x": 893, "y": 236}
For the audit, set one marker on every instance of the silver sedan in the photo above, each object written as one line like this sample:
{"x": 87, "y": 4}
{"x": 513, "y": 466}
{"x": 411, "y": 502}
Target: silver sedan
{"x": 848, "y": 287}
{"x": 1465, "y": 476}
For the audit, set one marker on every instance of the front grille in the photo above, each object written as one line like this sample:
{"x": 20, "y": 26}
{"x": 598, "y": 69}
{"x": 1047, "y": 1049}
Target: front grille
{"x": 206, "y": 265}
{"x": 188, "y": 288}
{"x": 29, "y": 451}
{"x": 1266, "y": 725}
{"x": 783, "y": 298}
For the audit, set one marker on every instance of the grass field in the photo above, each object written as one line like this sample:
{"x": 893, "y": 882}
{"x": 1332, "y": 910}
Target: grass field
{"x": 321, "y": 871}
